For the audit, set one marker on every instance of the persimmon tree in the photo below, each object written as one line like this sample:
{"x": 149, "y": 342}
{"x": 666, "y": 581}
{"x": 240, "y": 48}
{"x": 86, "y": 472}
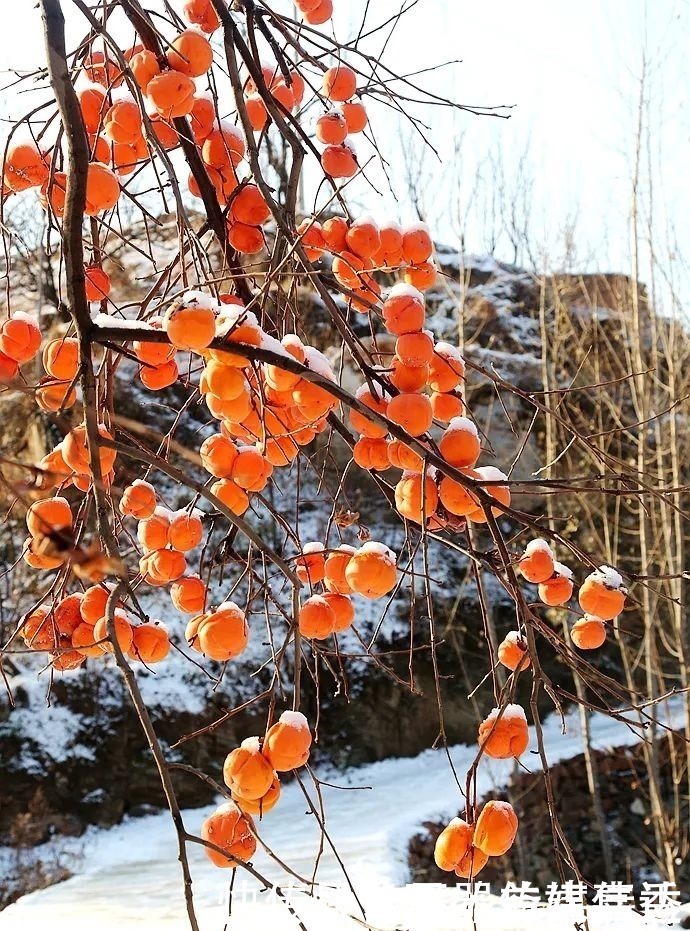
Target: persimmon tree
{"x": 187, "y": 117}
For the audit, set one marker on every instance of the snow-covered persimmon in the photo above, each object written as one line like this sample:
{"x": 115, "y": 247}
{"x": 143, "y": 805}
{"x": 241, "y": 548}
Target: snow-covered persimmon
{"x": 417, "y": 244}
{"x": 602, "y": 593}
{"x": 371, "y": 571}
{"x": 224, "y": 633}
{"x": 447, "y": 368}
{"x": 191, "y": 325}
{"x": 496, "y": 828}
{"x": 20, "y": 337}
{"x": 455, "y": 851}
{"x": 138, "y": 500}
{"x": 558, "y": 589}
{"x": 343, "y": 610}
{"x": 505, "y": 734}
{"x": 188, "y": 594}
{"x": 513, "y": 652}
{"x": 331, "y": 128}
{"x": 224, "y": 147}
{"x": 403, "y": 310}
{"x": 257, "y": 112}
{"x": 316, "y": 618}
{"x": 588, "y": 632}
{"x": 334, "y": 233}
{"x": 152, "y": 532}
{"x": 250, "y": 470}
{"x": 460, "y": 445}
{"x": 246, "y": 771}
{"x": 363, "y": 237}
{"x": 231, "y": 830}
{"x": 339, "y": 161}
{"x": 337, "y": 561}
{"x": 536, "y": 563}
{"x": 287, "y": 742}
{"x": 249, "y": 206}
{"x": 494, "y": 489}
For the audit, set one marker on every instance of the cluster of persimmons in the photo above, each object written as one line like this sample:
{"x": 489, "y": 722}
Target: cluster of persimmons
{"x": 264, "y": 413}
{"x": 251, "y": 772}
{"x": 465, "y": 847}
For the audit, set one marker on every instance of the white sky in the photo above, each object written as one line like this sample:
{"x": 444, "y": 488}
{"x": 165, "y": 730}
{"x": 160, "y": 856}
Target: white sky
{"x": 571, "y": 68}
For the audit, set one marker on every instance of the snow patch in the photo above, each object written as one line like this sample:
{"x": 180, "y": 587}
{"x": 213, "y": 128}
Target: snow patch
{"x": 402, "y": 289}
{"x": 609, "y": 576}
{"x": 295, "y": 719}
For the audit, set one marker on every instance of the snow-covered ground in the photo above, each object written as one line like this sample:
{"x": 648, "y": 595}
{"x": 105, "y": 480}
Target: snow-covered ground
{"x": 130, "y": 876}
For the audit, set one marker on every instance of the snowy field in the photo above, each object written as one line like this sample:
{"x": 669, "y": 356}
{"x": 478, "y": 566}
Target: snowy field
{"x": 130, "y": 878}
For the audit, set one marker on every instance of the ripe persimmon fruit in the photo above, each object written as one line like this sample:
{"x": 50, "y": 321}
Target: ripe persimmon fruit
{"x": 412, "y": 411}
{"x": 190, "y": 53}
{"x": 246, "y": 771}
{"x": 228, "y": 828}
{"x": 339, "y": 83}
{"x": 331, "y": 128}
{"x": 334, "y": 578}
{"x": 224, "y": 633}
{"x": 188, "y": 594}
{"x": 371, "y": 571}
{"x": 414, "y": 499}
{"x": 454, "y": 850}
{"x": 138, "y": 500}
{"x": 496, "y": 828}
{"x": 588, "y": 632}
{"x": 558, "y": 589}
{"x": 602, "y": 594}
{"x": 536, "y": 563}
{"x": 506, "y": 735}
{"x": 150, "y": 643}
{"x": 316, "y": 618}
{"x": 287, "y": 742}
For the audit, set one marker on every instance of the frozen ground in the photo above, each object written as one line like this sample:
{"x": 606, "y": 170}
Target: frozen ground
{"x": 130, "y": 876}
